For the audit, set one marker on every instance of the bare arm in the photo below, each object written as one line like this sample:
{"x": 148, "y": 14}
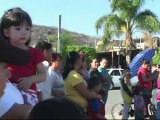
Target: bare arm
{"x": 81, "y": 88}
{"x": 18, "y": 111}
{"x": 26, "y": 82}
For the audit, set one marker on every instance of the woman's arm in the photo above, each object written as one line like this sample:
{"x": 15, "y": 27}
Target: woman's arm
{"x": 18, "y": 111}
{"x": 81, "y": 88}
{"x": 26, "y": 82}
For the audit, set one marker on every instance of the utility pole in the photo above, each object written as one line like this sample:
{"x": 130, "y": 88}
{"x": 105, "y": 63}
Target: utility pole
{"x": 95, "y": 42}
{"x": 59, "y": 36}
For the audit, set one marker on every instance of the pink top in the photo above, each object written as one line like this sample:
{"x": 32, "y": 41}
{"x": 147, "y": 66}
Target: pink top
{"x": 28, "y": 69}
{"x": 143, "y": 83}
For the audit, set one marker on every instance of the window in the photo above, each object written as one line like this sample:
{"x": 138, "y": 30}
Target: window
{"x": 115, "y": 73}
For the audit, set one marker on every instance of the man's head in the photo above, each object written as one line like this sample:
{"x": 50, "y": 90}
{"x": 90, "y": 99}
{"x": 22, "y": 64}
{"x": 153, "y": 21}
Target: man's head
{"x": 94, "y": 63}
{"x": 46, "y": 48}
{"x": 104, "y": 63}
{"x": 146, "y": 64}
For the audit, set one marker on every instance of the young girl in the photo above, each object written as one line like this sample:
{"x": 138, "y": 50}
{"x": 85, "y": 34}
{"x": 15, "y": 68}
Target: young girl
{"x": 96, "y": 107}
{"x": 126, "y": 91}
{"x": 16, "y": 28}
{"x": 139, "y": 105}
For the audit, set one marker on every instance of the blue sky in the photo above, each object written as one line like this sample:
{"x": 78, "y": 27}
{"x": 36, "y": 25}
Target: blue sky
{"x": 77, "y": 15}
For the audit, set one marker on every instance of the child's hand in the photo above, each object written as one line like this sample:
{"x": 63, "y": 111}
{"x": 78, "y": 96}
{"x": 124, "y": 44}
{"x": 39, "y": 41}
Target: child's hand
{"x": 24, "y": 83}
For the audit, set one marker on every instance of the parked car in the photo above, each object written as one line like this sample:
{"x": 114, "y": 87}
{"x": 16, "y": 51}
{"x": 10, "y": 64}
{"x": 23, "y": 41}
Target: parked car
{"x": 116, "y": 73}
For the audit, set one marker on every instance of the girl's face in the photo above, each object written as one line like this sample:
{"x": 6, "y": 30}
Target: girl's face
{"x": 18, "y": 35}
{"x": 127, "y": 79}
{"x": 4, "y": 75}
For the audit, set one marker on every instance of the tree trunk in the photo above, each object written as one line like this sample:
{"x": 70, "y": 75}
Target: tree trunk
{"x": 129, "y": 45}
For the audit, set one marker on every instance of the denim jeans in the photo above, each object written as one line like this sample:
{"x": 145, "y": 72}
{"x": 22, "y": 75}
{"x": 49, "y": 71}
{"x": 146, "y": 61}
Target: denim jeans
{"x": 126, "y": 109}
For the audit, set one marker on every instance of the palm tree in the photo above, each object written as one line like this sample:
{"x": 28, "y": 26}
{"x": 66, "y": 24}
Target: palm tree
{"x": 126, "y": 18}
{"x": 149, "y": 40}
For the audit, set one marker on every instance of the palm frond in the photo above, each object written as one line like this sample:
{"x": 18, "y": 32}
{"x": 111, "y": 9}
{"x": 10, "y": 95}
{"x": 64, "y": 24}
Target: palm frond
{"x": 100, "y": 22}
{"x": 147, "y": 20}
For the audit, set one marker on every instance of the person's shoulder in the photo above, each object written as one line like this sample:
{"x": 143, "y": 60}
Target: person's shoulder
{"x": 35, "y": 50}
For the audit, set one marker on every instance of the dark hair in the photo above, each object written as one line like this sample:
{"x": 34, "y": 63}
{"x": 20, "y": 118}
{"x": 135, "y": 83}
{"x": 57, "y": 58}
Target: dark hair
{"x": 91, "y": 60}
{"x": 127, "y": 74}
{"x": 137, "y": 89}
{"x": 103, "y": 59}
{"x": 43, "y": 45}
{"x": 14, "y": 17}
{"x": 55, "y": 56}
{"x": 57, "y": 108}
{"x": 93, "y": 81}
{"x": 144, "y": 61}
{"x": 13, "y": 55}
{"x": 72, "y": 57}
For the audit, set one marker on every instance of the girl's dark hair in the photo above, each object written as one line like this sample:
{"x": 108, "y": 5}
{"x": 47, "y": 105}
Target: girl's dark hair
{"x": 93, "y": 81}
{"x": 55, "y": 56}
{"x": 14, "y": 17}
{"x": 71, "y": 58}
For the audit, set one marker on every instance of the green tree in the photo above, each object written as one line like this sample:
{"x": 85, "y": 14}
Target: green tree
{"x": 156, "y": 57}
{"x": 89, "y": 51}
{"x": 66, "y": 40}
{"x": 126, "y": 18}
{"x": 149, "y": 40}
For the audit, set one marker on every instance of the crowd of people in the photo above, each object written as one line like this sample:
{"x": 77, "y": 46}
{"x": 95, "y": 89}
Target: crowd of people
{"x": 38, "y": 83}
{"x": 145, "y": 92}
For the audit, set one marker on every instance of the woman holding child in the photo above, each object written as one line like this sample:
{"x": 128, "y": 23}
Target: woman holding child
{"x": 74, "y": 84}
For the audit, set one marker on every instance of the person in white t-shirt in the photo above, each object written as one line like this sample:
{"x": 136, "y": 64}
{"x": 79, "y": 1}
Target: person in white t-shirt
{"x": 54, "y": 75}
{"x": 12, "y": 104}
{"x": 47, "y": 50}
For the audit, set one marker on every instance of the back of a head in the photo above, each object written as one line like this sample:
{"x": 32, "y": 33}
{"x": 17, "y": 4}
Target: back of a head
{"x": 144, "y": 61}
{"x": 43, "y": 45}
{"x": 57, "y": 108}
{"x": 93, "y": 81}
{"x": 71, "y": 59}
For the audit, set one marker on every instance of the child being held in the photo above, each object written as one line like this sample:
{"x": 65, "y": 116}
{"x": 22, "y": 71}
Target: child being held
{"x": 139, "y": 105}
{"x": 127, "y": 93}
{"x": 96, "y": 108}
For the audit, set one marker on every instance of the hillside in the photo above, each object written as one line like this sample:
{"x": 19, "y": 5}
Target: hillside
{"x": 40, "y": 33}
